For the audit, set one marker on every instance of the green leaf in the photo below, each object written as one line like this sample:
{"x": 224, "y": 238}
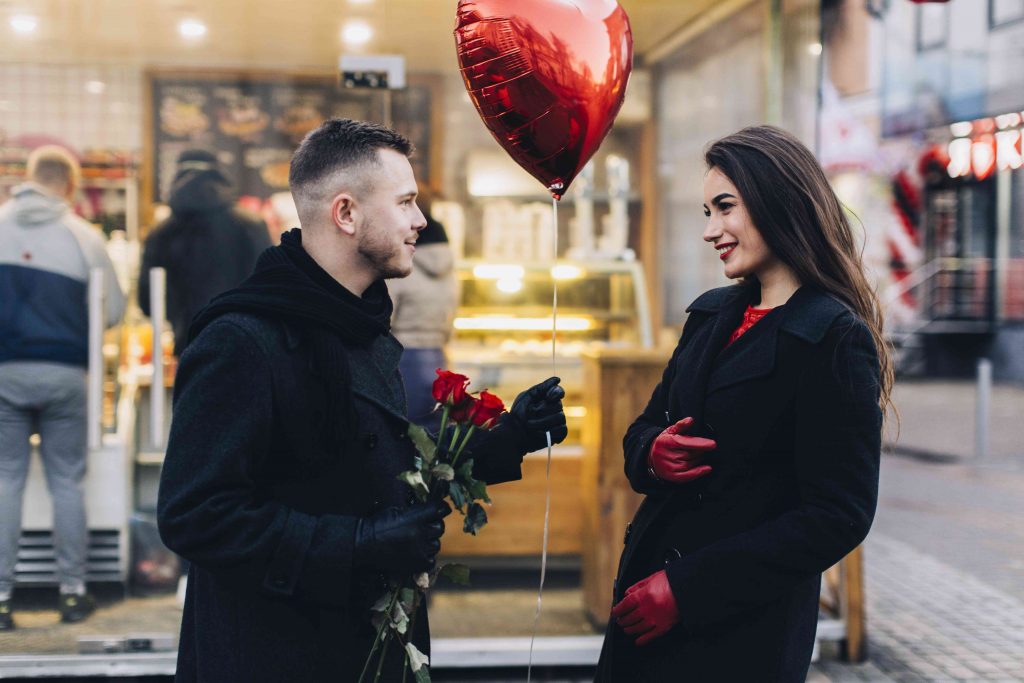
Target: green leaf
{"x": 415, "y": 480}
{"x": 399, "y": 619}
{"x": 458, "y": 495}
{"x": 476, "y": 518}
{"x": 423, "y": 675}
{"x": 456, "y": 573}
{"x": 382, "y": 603}
{"x": 443, "y": 471}
{"x": 466, "y": 470}
{"x": 417, "y": 660}
{"x": 406, "y": 597}
{"x": 423, "y": 442}
{"x": 478, "y": 490}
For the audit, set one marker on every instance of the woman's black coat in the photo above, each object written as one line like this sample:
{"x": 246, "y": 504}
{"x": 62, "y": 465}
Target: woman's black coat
{"x": 266, "y": 510}
{"x": 793, "y": 407}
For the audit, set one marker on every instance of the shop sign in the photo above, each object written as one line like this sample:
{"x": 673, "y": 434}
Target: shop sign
{"x": 983, "y": 146}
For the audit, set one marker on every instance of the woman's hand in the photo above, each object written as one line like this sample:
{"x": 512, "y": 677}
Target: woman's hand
{"x": 677, "y": 458}
{"x": 648, "y": 610}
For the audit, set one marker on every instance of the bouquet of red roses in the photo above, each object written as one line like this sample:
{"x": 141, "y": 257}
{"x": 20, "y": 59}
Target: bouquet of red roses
{"x": 440, "y": 472}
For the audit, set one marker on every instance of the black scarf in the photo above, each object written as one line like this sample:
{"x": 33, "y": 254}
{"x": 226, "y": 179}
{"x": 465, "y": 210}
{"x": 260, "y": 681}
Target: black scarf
{"x": 288, "y": 285}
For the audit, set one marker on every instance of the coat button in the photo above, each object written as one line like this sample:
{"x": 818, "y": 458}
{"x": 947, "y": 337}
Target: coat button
{"x": 699, "y": 499}
{"x": 278, "y": 582}
{"x": 671, "y": 555}
{"x": 371, "y": 440}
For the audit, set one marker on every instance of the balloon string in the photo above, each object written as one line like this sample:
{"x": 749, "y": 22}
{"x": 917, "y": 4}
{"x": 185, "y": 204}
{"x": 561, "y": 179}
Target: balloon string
{"x": 547, "y": 472}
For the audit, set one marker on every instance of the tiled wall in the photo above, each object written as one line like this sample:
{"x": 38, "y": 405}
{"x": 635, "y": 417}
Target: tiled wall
{"x": 66, "y": 103}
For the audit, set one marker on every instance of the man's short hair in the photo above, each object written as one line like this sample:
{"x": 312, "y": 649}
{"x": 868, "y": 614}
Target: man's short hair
{"x": 53, "y": 166}
{"x": 338, "y": 145}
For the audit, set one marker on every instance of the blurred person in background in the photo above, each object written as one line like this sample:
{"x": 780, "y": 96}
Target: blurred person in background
{"x": 425, "y": 305}
{"x": 46, "y": 255}
{"x": 207, "y": 245}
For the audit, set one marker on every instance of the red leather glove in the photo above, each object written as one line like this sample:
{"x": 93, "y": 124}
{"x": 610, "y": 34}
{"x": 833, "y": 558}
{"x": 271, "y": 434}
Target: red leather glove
{"x": 649, "y": 609}
{"x": 677, "y": 458}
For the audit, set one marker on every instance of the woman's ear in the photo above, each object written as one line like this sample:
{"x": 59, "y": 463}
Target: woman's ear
{"x": 343, "y": 212}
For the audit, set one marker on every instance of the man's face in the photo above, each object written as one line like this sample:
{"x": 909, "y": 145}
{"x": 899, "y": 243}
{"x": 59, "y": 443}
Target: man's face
{"x": 391, "y": 221}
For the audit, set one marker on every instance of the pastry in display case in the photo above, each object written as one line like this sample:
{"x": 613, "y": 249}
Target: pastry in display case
{"x": 502, "y": 339}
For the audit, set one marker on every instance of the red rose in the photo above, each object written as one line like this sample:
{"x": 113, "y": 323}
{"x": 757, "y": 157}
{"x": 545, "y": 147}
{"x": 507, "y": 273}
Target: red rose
{"x": 488, "y": 408}
{"x": 463, "y": 412}
{"x": 450, "y": 387}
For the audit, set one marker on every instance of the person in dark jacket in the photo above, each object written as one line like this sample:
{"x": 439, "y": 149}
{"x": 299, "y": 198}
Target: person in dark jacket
{"x": 289, "y": 430}
{"x": 425, "y": 304}
{"x": 207, "y": 245}
{"x": 758, "y": 452}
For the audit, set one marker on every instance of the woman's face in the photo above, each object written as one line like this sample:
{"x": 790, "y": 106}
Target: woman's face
{"x": 731, "y": 231}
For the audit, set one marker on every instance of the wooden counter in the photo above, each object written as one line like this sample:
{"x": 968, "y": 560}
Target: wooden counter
{"x": 618, "y": 384}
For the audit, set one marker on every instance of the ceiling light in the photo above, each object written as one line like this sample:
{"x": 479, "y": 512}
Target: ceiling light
{"x": 95, "y": 87}
{"x": 360, "y": 2}
{"x": 357, "y": 33}
{"x": 24, "y": 23}
{"x": 192, "y": 28}
{"x": 814, "y": 49}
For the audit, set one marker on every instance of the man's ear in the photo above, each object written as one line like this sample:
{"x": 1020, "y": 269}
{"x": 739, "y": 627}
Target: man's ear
{"x": 343, "y": 213}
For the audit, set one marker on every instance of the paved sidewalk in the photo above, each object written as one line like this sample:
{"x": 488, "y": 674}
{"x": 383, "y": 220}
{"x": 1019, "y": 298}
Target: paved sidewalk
{"x": 937, "y": 420}
{"x": 928, "y": 621}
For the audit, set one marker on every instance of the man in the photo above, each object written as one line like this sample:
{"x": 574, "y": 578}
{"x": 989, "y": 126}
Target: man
{"x": 207, "y": 245}
{"x": 280, "y": 483}
{"x": 46, "y": 254}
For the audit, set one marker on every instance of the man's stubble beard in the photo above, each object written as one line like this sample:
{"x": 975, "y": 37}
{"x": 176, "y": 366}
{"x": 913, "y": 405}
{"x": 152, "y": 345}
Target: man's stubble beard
{"x": 380, "y": 255}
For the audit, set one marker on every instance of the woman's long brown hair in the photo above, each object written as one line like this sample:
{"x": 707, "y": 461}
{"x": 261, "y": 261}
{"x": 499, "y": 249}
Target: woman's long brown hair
{"x": 793, "y": 206}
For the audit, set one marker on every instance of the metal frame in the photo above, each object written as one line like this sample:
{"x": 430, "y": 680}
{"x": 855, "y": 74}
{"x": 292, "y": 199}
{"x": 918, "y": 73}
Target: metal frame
{"x": 993, "y": 24}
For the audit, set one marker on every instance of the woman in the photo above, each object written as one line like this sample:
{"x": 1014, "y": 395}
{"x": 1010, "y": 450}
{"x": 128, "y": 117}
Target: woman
{"x": 758, "y": 451}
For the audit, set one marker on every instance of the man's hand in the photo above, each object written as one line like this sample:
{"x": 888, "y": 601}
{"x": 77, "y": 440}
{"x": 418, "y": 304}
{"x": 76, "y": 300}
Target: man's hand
{"x": 648, "y": 610}
{"x": 537, "y": 411}
{"x": 677, "y": 458}
{"x": 401, "y": 540}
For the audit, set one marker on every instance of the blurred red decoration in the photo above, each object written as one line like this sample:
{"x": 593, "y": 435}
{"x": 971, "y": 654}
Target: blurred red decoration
{"x": 547, "y": 77}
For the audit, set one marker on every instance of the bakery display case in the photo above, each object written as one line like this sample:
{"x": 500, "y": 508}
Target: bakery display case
{"x": 502, "y": 337}
{"x": 502, "y": 341}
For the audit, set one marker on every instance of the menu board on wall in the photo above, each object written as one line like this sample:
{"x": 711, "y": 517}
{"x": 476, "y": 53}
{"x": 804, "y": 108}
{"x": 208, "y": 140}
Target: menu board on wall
{"x": 254, "y": 123}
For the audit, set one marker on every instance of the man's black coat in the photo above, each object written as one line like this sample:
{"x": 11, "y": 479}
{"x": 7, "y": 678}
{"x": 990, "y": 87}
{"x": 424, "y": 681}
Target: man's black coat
{"x": 793, "y": 407}
{"x": 258, "y": 495}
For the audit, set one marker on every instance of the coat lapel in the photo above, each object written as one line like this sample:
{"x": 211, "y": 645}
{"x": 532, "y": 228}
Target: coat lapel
{"x": 749, "y": 357}
{"x": 808, "y": 315}
{"x": 696, "y": 369}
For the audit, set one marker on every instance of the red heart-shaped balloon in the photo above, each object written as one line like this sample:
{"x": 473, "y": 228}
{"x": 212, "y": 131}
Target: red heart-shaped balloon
{"x": 547, "y": 77}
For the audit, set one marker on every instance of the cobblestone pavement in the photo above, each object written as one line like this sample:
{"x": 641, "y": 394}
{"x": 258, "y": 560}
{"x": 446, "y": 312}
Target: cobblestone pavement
{"x": 929, "y": 621}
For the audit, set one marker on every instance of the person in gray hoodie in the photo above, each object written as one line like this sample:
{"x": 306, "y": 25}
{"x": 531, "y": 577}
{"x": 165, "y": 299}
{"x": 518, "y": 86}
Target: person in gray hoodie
{"x": 46, "y": 255}
{"x": 425, "y": 304}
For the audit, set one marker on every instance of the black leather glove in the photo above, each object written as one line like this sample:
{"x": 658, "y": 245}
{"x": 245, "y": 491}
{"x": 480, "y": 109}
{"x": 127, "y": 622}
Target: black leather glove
{"x": 535, "y": 412}
{"x": 396, "y": 540}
